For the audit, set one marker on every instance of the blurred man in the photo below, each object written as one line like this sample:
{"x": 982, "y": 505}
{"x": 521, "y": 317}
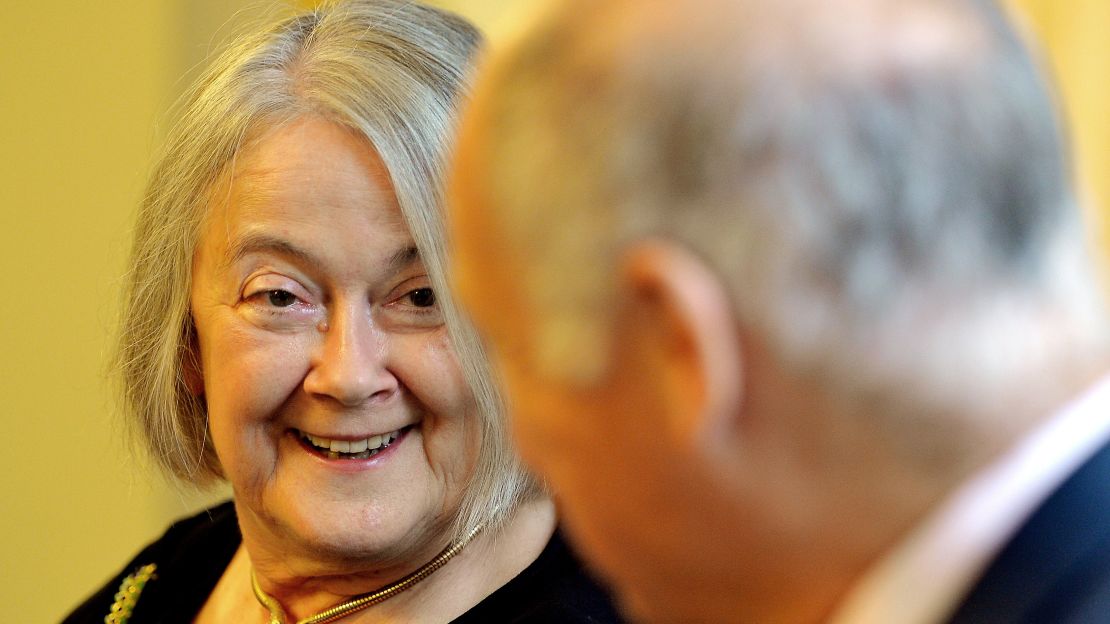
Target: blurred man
{"x": 793, "y": 303}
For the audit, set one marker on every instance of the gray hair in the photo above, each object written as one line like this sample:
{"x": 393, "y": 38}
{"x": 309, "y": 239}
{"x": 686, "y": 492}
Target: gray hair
{"x": 891, "y": 209}
{"x": 391, "y": 70}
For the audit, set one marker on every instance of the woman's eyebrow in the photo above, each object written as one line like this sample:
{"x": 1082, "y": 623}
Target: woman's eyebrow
{"x": 404, "y": 257}
{"x": 258, "y": 242}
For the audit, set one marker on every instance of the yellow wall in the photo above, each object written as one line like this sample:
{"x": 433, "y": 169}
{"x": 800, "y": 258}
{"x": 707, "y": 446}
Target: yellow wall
{"x": 1076, "y": 34}
{"x": 80, "y": 86}
{"x": 491, "y": 15}
{"x": 83, "y": 88}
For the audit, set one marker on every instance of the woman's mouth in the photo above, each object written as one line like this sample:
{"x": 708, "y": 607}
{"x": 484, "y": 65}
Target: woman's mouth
{"x": 351, "y": 449}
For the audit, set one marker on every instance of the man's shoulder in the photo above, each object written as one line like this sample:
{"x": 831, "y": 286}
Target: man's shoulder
{"x": 1057, "y": 566}
{"x": 178, "y": 569}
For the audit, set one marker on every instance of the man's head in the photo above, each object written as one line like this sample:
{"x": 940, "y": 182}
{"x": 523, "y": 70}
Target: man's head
{"x": 761, "y": 273}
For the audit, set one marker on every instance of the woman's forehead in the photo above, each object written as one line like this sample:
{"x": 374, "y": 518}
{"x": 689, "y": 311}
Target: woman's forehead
{"x": 309, "y": 188}
{"x": 308, "y": 155}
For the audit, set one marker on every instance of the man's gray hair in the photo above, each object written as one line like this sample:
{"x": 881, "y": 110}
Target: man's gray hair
{"x": 889, "y": 201}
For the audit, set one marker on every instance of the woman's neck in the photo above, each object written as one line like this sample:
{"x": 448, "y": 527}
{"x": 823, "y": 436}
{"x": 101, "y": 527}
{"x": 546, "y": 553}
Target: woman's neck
{"x": 489, "y": 561}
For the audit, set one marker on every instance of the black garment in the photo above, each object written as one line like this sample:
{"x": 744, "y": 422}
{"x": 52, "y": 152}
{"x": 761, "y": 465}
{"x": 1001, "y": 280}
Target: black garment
{"x": 1057, "y": 567}
{"x": 194, "y": 552}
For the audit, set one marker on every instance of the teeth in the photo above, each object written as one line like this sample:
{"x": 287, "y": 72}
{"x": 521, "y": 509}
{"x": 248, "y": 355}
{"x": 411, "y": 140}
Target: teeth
{"x": 370, "y": 445}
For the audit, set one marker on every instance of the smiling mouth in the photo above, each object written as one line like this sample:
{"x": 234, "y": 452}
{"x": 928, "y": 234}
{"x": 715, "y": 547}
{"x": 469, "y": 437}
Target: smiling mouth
{"x": 351, "y": 449}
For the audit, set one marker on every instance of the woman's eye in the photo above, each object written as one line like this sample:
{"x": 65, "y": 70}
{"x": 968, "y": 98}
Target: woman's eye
{"x": 281, "y": 298}
{"x": 422, "y": 297}
{"x": 274, "y": 301}
{"x": 416, "y": 309}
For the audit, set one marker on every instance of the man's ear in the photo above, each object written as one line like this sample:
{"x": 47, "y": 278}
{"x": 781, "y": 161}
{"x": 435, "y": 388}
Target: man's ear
{"x": 693, "y": 316}
{"x": 192, "y": 370}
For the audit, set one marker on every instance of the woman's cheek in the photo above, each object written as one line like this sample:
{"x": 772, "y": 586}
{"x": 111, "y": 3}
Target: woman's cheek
{"x": 252, "y": 374}
{"x": 436, "y": 370}
{"x": 428, "y": 368}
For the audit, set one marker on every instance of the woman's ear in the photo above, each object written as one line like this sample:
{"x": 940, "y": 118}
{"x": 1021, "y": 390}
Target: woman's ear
{"x": 699, "y": 343}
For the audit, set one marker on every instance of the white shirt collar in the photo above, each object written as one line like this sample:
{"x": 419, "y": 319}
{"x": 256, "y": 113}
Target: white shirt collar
{"x": 923, "y": 579}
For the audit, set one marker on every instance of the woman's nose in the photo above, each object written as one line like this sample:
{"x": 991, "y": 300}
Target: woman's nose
{"x": 350, "y": 364}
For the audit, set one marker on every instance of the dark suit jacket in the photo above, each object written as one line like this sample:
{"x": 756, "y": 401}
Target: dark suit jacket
{"x": 1056, "y": 569}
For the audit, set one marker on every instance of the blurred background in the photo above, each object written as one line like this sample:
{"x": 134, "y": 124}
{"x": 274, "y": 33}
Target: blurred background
{"x": 85, "y": 91}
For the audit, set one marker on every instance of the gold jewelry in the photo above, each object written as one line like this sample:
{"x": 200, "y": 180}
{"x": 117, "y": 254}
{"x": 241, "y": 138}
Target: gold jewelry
{"x": 362, "y": 601}
{"x": 128, "y": 594}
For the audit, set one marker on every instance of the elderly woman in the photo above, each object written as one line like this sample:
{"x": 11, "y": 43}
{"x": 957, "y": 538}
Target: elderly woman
{"x": 287, "y": 328}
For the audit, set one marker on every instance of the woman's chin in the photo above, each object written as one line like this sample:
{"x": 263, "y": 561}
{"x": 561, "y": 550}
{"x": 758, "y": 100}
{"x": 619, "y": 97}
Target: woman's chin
{"x": 365, "y": 533}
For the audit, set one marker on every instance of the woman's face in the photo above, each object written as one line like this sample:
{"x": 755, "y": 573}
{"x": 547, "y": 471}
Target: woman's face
{"x": 335, "y": 403}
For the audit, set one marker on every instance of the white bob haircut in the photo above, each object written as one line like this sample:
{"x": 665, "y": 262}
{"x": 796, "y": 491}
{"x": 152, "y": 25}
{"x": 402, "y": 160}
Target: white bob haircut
{"x": 390, "y": 70}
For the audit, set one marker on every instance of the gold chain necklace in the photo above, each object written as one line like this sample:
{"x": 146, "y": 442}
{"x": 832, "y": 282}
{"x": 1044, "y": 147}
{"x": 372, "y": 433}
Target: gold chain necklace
{"x": 362, "y": 601}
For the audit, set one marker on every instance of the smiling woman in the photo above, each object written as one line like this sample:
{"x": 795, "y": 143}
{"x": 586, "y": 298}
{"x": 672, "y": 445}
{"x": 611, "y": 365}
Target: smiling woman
{"x": 287, "y": 327}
